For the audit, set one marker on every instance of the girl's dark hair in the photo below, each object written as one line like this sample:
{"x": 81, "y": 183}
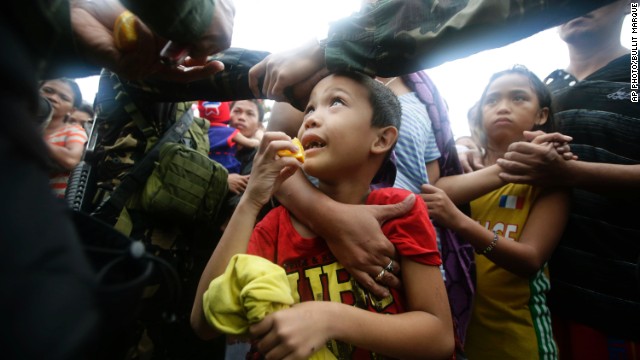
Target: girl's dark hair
{"x": 539, "y": 88}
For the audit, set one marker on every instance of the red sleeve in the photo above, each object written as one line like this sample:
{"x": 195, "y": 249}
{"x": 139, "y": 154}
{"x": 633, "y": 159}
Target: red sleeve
{"x": 230, "y": 141}
{"x": 263, "y": 239}
{"x": 412, "y": 234}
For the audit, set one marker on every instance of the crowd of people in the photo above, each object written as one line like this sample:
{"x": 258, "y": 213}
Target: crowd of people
{"x": 386, "y": 240}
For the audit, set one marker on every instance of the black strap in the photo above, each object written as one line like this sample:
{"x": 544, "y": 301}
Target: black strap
{"x": 111, "y": 207}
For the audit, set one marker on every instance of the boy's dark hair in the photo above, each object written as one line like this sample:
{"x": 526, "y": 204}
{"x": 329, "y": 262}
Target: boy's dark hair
{"x": 386, "y": 111}
{"x": 258, "y": 105}
{"x": 386, "y": 107}
{"x": 539, "y": 88}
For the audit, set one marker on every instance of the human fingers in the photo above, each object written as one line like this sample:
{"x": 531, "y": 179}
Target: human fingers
{"x": 520, "y": 146}
{"x": 113, "y": 38}
{"x": 186, "y": 74}
{"x": 290, "y": 68}
{"x": 393, "y": 267}
{"x": 533, "y": 155}
{"x": 234, "y": 182}
{"x": 386, "y": 212}
{"x": 260, "y": 328}
{"x": 562, "y": 147}
{"x": 138, "y": 48}
{"x": 466, "y": 167}
{"x": 94, "y": 39}
{"x": 255, "y": 74}
{"x": 269, "y": 137}
{"x": 268, "y": 166}
{"x": 530, "y": 135}
{"x": 367, "y": 280}
{"x": 105, "y": 11}
{"x": 515, "y": 178}
{"x": 298, "y": 95}
{"x": 541, "y": 137}
{"x": 475, "y": 160}
{"x": 471, "y": 160}
{"x": 428, "y": 189}
{"x": 388, "y": 275}
{"x": 513, "y": 167}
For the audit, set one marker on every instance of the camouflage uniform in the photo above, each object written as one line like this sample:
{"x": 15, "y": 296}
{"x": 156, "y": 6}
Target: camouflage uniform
{"x": 164, "y": 330}
{"x": 394, "y": 38}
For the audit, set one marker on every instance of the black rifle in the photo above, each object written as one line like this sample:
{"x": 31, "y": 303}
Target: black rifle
{"x": 82, "y": 185}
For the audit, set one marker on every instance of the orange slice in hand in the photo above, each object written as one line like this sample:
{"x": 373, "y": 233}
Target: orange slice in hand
{"x": 124, "y": 31}
{"x": 299, "y": 155}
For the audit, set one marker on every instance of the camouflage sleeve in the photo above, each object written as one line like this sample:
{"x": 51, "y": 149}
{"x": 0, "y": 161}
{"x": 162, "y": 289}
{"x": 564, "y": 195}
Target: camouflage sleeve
{"x": 180, "y": 20}
{"x": 397, "y": 37}
{"x": 230, "y": 84}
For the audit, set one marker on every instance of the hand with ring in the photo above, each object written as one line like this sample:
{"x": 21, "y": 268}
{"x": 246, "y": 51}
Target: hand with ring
{"x": 387, "y": 276}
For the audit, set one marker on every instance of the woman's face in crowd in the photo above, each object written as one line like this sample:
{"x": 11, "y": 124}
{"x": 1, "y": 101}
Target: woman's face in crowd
{"x": 60, "y": 96}
{"x": 245, "y": 117}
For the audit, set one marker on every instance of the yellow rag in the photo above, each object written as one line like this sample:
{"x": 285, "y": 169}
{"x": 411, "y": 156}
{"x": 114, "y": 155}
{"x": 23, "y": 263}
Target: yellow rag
{"x": 251, "y": 288}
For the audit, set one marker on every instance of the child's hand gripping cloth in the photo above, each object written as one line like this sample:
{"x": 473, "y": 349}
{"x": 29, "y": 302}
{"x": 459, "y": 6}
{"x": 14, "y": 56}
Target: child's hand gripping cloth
{"x": 251, "y": 288}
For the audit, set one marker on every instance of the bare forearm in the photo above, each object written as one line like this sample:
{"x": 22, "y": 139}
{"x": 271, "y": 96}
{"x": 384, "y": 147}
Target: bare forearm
{"x": 602, "y": 177}
{"x": 304, "y": 200}
{"x": 245, "y": 141}
{"x": 536, "y": 242}
{"x": 507, "y": 254}
{"x": 410, "y": 335}
{"x": 466, "y": 187}
{"x": 67, "y": 158}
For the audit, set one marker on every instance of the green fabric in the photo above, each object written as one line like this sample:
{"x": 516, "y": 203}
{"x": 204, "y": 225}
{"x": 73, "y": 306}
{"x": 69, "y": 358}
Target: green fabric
{"x": 394, "y": 38}
{"x": 186, "y": 185}
{"x": 182, "y": 20}
{"x": 230, "y": 84}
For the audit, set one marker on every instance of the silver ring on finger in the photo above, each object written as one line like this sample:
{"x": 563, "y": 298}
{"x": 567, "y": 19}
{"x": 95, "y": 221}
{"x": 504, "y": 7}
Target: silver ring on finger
{"x": 389, "y": 267}
{"x": 380, "y": 275}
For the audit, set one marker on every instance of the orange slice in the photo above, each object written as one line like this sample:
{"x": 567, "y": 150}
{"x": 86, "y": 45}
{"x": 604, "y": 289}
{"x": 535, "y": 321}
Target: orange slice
{"x": 299, "y": 155}
{"x": 124, "y": 31}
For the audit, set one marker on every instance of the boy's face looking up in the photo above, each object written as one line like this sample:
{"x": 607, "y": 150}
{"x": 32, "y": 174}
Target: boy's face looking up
{"x": 336, "y": 132}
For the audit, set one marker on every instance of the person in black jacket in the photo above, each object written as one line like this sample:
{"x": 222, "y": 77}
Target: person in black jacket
{"x": 49, "y": 307}
{"x": 595, "y": 271}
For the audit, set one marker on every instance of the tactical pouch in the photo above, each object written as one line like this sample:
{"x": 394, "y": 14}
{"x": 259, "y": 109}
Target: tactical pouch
{"x": 184, "y": 185}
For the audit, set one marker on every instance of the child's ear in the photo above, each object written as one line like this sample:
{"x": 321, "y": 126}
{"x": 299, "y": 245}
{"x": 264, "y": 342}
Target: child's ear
{"x": 543, "y": 116}
{"x": 386, "y": 138}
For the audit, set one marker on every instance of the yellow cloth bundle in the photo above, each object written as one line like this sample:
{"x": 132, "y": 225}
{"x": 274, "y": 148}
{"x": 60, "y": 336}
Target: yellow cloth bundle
{"x": 251, "y": 288}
